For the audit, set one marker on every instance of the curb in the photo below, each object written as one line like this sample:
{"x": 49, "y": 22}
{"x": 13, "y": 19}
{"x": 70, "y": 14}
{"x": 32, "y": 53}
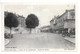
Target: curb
{"x": 7, "y": 41}
{"x": 69, "y": 41}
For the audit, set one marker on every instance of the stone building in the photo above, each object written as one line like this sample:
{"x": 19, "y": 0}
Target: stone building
{"x": 45, "y": 29}
{"x": 64, "y": 22}
{"x": 21, "y": 20}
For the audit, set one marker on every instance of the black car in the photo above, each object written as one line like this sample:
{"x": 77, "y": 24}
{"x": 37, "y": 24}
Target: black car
{"x": 8, "y": 35}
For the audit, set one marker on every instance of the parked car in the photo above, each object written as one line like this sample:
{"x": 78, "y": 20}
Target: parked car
{"x": 8, "y": 35}
{"x": 69, "y": 34}
{"x": 65, "y": 33}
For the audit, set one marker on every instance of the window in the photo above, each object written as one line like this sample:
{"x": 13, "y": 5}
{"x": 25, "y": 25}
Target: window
{"x": 72, "y": 14}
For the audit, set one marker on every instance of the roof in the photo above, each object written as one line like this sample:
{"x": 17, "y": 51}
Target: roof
{"x": 65, "y": 13}
{"x": 21, "y": 16}
{"x": 45, "y": 27}
{"x": 52, "y": 20}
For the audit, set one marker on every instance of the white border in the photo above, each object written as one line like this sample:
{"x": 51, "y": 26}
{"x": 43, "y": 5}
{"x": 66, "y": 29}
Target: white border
{"x": 78, "y": 21}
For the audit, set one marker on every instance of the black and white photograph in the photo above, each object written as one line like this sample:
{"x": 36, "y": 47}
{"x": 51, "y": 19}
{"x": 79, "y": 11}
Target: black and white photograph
{"x": 39, "y": 27}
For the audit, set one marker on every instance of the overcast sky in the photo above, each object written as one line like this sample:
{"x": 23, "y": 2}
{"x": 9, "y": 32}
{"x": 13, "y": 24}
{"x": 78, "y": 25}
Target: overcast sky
{"x": 44, "y": 12}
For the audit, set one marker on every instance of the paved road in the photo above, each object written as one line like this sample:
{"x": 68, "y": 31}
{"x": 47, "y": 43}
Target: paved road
{"x": 40, "y": 40}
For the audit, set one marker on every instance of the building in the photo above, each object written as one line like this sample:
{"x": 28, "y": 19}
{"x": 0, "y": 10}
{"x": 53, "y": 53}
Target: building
{"x": 64, "y": 22}
{"x": 45, "y": 29}
{"x": 22, "y": 25}
{"x": 5, "y": 13}
{"x": 53, "y": 24}
{"x": 21, "y": 20}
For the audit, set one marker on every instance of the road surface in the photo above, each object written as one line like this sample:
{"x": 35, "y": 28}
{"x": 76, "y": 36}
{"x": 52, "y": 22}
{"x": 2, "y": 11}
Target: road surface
{"x": 40, "y": 40}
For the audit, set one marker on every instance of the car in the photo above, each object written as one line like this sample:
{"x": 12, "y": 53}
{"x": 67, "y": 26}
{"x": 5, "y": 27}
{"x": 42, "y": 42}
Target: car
{"x": 65, "y": 33}
{"x": 8, "y": 35}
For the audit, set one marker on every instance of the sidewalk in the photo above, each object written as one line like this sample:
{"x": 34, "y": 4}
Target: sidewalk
{"x": 70, "y": 39}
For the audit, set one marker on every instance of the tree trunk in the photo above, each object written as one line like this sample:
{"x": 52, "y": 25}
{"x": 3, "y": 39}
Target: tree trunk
{"x": 30, "y": 31}
{"x": 10, "y": 32}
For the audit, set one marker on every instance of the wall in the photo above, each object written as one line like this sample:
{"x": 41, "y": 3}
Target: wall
{"x": 69, "y": 24}
{"x": 21, "y": 21}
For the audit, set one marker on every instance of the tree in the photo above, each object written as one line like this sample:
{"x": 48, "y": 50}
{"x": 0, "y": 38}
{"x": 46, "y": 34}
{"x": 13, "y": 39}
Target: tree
{"x": 11, "y": 21}
{"x": 32, "y": 21}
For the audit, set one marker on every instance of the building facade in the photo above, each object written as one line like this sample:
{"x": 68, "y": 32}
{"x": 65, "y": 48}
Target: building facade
{"x": 21, "y": 20}
{"x": 64, "y": 22}
{"x": 45, "y": 29}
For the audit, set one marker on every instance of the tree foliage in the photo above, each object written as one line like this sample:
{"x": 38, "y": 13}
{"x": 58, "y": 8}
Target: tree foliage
{"x": 11, "y": 20}
{"x": 32, "y": 21}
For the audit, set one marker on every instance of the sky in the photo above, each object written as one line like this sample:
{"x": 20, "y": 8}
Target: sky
{"x": 44, "y": 12}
